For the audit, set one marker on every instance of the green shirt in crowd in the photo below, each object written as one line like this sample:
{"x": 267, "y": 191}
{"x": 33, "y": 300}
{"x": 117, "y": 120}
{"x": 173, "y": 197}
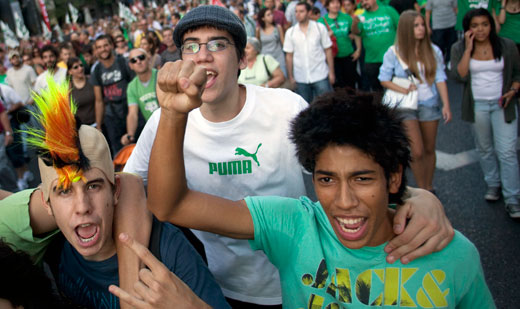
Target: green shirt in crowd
{"x": 143, "y": 95}
{"x": 378, "y": 29}
{"x": 340, "y": 26}
{"x": 509, "y": 29}
{"x": 463, "y": 6}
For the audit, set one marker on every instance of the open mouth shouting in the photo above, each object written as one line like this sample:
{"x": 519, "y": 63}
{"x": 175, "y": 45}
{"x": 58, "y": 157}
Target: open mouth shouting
{"x": 88, "y": 234}
{"x": 351, "y": 228}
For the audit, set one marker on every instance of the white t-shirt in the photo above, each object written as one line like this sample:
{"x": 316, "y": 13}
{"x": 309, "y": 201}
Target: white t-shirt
{"x": 309, "y": 61}
{"x": 41, "y": 81}
{"x": 486, "y": 78}
{"x": 250, "y": 154}
{"x": 9, "y": 96}
{"x": 22, "y": 81}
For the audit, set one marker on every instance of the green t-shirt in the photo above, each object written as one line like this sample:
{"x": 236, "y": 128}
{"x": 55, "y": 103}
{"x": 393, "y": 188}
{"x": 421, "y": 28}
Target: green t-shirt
{"x": 463, "y": 6}
{"x": 317, "y": 271}
{"x": 258, "y": 75}
{"x": 15, "y": 226}
{"x": 341, "y": 28}
{"x": 378, "y": 31}
{"x": 509, "y": 29}
{"x": 145, "y": 97}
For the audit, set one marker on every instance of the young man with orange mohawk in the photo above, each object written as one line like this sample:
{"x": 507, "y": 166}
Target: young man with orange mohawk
{"x": 80, "y": 191}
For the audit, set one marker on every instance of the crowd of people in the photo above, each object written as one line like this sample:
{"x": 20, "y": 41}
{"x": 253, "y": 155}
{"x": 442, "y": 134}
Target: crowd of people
{"x": 191, "y": 86}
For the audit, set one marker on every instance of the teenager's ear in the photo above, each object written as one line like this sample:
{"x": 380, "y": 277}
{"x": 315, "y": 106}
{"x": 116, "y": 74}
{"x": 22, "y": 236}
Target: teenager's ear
{"x": 117, "y": 188}
{"x": 46, "y": 204}
{"x": 394, "y": 182}
{"x": 242, "y": 64}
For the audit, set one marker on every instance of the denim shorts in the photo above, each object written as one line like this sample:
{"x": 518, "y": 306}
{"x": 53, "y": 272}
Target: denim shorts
{"x": 423, "y": 113}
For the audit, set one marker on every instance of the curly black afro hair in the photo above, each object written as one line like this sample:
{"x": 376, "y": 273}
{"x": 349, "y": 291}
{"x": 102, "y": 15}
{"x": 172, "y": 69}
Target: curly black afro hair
{"x": 346, "y": 117}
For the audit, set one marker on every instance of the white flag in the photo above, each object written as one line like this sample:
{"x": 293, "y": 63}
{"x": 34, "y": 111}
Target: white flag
{"x": 46, "y": 33}
{"x": 67, "y": 18}
{"x": 57, "y": 28}
{"x": 154, "y": 5}
{"x": 21, "y": 30}
{"x": 73, "y": 13}
{"x": 126, "y": 13}
{"x": 9, "y": 37}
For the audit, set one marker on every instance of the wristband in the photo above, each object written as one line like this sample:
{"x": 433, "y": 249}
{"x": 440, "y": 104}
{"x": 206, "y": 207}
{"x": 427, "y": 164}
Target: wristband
{"x": 8, "y": 133}
{"x": 514, "y": 89}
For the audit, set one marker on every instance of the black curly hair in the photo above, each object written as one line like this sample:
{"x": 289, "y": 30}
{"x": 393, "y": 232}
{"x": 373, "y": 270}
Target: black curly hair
{"x": 346, "y": 117}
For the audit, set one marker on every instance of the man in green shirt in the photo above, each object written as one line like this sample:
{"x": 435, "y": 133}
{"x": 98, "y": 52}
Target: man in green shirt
{"x": 377, "y": 27}
{"x": 140, "y": 94}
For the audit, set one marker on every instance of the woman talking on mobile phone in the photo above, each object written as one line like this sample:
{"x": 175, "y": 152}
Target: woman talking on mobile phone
{"x": 489, "y": 67}
{"x": 425, "y": 62}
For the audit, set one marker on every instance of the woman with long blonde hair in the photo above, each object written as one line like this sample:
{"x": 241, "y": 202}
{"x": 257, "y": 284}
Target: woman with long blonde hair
{"x": 425, "y": 62}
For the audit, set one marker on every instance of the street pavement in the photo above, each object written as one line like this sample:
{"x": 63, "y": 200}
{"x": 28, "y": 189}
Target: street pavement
{"x": 460, "y": 186}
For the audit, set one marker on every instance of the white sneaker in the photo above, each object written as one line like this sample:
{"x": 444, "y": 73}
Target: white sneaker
{"x": 22, "y": 184}
{"x": 28, "y": 176}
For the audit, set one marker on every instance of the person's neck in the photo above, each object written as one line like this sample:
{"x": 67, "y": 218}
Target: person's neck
{"x": 304, "y": 23}
{"x": 251, "y": 62}
{"x": 227, "y": 108}
{"x": 481, "y": 44}
{"x": 18, "y": 67}
{"x": 172, "y": 48}
{"x": 108, "y": 251}
{"x": 374, "y": 8}
{"x": 145, "y": 76}
{"x": 79, "y": 79}
{"x": 109, "y": 61}
{"x": 333, "y": 15}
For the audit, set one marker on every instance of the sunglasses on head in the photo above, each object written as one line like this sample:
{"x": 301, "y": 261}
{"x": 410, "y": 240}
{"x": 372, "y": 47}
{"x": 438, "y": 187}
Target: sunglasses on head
{"x": 138, "y": 58}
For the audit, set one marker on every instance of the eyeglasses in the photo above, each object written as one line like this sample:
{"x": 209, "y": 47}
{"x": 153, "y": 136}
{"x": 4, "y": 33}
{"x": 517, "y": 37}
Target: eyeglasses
{"x": 77, "y": 66}
{"x": 212, "y": 46}
{"x": 138, "y": 58}
{"x": 120, "y": 41}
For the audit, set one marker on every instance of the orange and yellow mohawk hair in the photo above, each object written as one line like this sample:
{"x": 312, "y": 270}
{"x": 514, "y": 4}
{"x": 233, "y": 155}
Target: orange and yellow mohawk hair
{"x": 58, "y": 142}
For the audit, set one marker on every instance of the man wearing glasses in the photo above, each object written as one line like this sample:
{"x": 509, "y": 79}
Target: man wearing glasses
{"x": 236, "y": 144}
{"x": 140, "y": 94}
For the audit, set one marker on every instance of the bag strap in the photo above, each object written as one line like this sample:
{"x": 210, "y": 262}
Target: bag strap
{"x": 155, "y": 238}
{"x": 266, "y": 68}
{"x": 326, "y": 23}
{"x": 403, "y": 65}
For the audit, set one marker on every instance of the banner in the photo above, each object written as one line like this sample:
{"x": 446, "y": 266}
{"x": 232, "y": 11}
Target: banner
{"x": 46, "y": 33}
{"x": 126, "y": 13}
{"x": 73, "y": 13}
{"x": 20, "y": 28}
{"x": 9, "y": 37}
{"x": 44, "y": 14}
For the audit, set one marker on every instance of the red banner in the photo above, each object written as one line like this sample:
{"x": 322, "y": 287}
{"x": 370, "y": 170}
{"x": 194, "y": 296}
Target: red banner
{"x": 44, "y": 14}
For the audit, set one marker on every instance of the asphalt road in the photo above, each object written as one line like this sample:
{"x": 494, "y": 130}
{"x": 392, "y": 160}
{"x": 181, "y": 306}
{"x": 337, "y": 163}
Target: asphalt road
{"x": 461, "y": 190}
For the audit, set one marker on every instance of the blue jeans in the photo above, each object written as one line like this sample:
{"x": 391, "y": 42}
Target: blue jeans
{"x": 312, "y": 90}
{"x": 496, "y": 145}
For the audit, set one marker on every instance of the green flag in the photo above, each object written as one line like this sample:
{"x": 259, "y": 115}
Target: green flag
{"x": 9, "y": 37}
{"x": 73, "y": 13}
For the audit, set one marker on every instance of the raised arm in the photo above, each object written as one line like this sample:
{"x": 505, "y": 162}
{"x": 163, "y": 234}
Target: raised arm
{"x": 179, "y": 89}
{"x": 131, "y": 217}
{"x": 99, "y": 107}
